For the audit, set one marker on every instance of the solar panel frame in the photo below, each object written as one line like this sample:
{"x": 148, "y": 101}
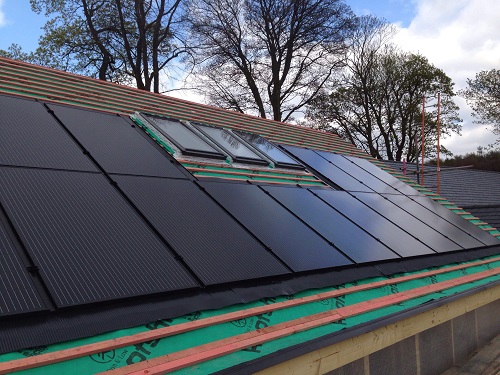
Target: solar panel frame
{"x": 331, "y": 224}
{"x": 31, "y": 137}
{"x": 88, "y": 242}
{"x": 212, "y": 243}
{"x": 17, "y": 289}
{"x": 290, "y": 239}
{"x": 115, "y": 143}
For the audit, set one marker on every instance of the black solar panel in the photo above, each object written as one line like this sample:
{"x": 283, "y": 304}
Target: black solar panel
{"x": 384, "y": 176}
{"x": 391, "y": 235}
{"x": 87, "y": 241}
{"x": 435, "y": 221}
{"x": 30, "y": 136}
{"x": 337, "y": 176}
{"x": 456, "y": 220}
{"x": 349, "y": 167}
{"x": 212, "y": 243}
{"x": 425, "y": 233}
{"x": 344, "y": 234}
{"x": 114, "y": 143}
{"x": 17, "y": 291}
{"x": 292, "y": 241}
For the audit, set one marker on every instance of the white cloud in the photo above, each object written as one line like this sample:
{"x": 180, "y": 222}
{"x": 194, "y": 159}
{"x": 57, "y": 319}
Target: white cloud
{"x": 3, "y": 21}
{"x": 179, "y": 86}
{"x": 462, "y": 37}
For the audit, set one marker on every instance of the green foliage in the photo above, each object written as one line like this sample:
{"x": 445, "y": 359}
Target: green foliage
{"x": 489, "y": 161}
{"x": 377, "y": 102}
{"x": 483, "y": 95}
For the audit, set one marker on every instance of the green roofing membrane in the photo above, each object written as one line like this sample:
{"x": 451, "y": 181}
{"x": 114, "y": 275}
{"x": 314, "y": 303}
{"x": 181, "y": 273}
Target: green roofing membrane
{"x": 141, "y": 352}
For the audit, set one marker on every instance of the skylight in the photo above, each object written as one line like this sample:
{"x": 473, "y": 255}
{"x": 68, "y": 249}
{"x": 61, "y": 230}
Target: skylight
{"x": 234, "y": 146}
{"x": 278, "y": 157}
{"x": 185, "y": 139}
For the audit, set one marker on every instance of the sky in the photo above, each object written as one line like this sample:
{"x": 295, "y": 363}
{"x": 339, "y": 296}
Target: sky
{"x": 461, "y": 37}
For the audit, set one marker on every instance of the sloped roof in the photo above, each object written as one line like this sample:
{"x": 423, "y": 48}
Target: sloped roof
{"x": 477, "y": 191}
{"x": 105, "y": 229}
{"x": 23, "y": 79}
{"x": 466, "y": 187}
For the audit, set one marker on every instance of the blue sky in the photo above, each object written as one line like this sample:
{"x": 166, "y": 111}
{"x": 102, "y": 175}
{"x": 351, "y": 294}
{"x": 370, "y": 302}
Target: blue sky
{"x": 22, "y": 26}
{"x": 19, "y": 24}
{"x": 462, "y": 37}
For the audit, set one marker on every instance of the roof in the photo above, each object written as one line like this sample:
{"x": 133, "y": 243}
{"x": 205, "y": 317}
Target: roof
{"x": 472, "y": 189}
{"x": 115, "y": 238}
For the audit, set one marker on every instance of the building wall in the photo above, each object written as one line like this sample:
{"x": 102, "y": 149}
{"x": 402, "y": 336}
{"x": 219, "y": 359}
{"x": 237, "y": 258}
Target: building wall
{"x": 426, "y": 343}
{"x": 434, "y": 350}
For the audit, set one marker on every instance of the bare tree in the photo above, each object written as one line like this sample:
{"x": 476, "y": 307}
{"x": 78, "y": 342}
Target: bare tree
{"x": 268, "y": 57}
{"x": 116, "y": 40}
{"x": 377, "y": 101}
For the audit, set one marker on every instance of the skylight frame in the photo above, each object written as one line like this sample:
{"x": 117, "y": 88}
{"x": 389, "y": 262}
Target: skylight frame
{"x": 259, "y": 160}
{"x": 187, "y": 151}
{"x": 296, "y": 165}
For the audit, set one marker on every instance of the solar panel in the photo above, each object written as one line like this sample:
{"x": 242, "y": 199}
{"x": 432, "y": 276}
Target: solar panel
{"x": 391, "y": 235}
{"x": 278, "y": 157}
{"x": 238, "y": 151}
{"x": 419, "y": 229}
{"x": 327, "y": 169}
{"x": 31, "y": 137}
{"x": 18, "y": 293}
{"x": 212, "y": 243}
{"x": 115, "y": 144}
{"x": 292, "y": 241}
{"x": 456, "y": 220}
{"x": 349, "y": 167}
{"x": 87, "y": 241}
{"x": 384, "y": 176}
{"x": 344, "y": 234}
{"x": 185, "y": 139}
{"x": 435, "y": 221}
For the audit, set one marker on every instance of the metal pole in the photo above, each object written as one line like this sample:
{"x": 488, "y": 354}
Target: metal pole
{"x": 415, "y": 137}
{"x": 423, "y": 137}
{"x": 438, "y": 147}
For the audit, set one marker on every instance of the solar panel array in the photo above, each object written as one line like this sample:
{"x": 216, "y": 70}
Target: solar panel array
{"x": 31, "y": 137}
{"x": 392, "y": 202}
{"x": 285, "y": 234}
{"x": 17, "y": 290}
{"x": 115, "y": 143}
{"x": 216, "y": 247}
{"x": 93, "y": 210}
{"x": 88, "y": 243}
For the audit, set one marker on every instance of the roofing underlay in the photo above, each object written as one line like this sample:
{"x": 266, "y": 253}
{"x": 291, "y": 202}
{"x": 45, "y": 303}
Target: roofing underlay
{"x": 239, "y": 288}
